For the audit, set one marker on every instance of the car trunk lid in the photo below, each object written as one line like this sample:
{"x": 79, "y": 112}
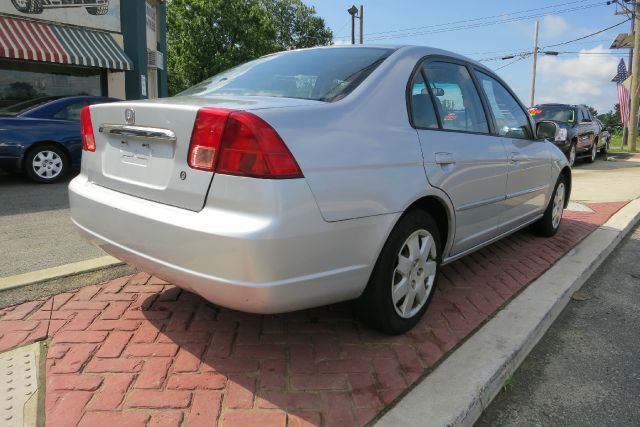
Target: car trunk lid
{"x": 142, "y": 147}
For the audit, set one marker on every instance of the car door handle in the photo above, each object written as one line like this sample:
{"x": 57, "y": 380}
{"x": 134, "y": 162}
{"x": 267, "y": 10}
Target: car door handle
{"x": 516, "y": 157}
{"x": 445, "y": 158}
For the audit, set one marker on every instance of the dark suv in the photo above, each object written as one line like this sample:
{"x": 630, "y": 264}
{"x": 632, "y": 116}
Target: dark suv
{"x": 583, "y": 132}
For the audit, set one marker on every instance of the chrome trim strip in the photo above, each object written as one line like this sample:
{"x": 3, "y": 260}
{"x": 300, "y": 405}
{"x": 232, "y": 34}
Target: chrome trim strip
{"x": 480, "y": 203}
{"x": 527, "y": 191}
{"x": 138, "y": 132}
{"x": 490, "y": 241}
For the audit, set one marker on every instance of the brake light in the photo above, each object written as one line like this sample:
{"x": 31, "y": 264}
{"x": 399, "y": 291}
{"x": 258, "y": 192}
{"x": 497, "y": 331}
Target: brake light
{"x": 239, "y": 143}
{"x": 86, "y": 130}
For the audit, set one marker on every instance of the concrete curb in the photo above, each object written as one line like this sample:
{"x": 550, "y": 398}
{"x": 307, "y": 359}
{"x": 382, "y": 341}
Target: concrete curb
{"x": 87, "y": 266}
{"x": 458, "y": 390}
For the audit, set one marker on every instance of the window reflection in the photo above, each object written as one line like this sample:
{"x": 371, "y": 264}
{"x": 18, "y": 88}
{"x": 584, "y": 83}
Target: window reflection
{"x": 23, "y": 81}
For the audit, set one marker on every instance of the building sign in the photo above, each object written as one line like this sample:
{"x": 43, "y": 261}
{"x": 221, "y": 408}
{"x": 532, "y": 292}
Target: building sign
{"x": 99, "y": 14}
{"x": 151, "y": 26}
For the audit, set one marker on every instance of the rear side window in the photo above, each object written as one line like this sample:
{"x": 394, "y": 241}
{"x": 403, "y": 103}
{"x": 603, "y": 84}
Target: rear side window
{"x": 71, "y": 112}
{"x": 457, "y": 101}
{"x": 325, "y": 74}
{"x": 511, "y": 120}
{"x": 424, "y": 116}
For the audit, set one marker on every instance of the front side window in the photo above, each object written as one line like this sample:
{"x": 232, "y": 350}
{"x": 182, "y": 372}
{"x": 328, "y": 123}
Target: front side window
{"x": 315, "y": 74}
{"x": 511, "y": 120}
{"x": 457, "y": 101}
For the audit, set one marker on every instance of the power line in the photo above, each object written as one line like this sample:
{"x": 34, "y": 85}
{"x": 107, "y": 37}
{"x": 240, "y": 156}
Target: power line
{"x": 589, "y": 35}
{"x": 502, "y": 15}
{"x": 487, "y": 23}
{"x": 526, "y": 52}
{"x": 506, "y": 65}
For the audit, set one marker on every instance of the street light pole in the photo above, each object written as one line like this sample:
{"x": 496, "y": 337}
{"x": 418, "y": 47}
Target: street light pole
{"x": 353, "y": 11}
{"x": 535, "y": 62}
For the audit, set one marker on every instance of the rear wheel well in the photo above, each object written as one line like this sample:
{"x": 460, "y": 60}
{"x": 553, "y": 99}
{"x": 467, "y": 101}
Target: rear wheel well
{"x": 438, "y": 210}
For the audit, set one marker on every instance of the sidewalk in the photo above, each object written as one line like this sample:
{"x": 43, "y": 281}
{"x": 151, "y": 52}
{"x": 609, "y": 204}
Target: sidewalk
{"x": 137, "y": 350}
{"x": 584, "y": 371}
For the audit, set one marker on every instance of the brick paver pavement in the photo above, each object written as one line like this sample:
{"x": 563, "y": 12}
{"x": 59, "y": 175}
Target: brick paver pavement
{"x": 138, "y": 351}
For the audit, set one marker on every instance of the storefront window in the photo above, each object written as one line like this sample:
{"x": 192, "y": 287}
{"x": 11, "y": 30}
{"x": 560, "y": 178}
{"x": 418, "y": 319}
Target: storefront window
{"x": 22, "y": 81}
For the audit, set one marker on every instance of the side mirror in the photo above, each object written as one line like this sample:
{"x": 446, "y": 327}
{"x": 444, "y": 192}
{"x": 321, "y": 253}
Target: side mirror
{"x": 550, "y": 130}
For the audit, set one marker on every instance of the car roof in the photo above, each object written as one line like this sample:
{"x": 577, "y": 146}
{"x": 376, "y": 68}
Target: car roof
{"x": 405, "y": 48}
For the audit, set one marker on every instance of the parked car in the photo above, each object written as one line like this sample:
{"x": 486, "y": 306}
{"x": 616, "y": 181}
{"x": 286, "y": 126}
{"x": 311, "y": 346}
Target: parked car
{"x": 41, "y": 137}
{"x": 583, "y": 133}
{"x": 604, "y": 141}
{"x": 321, "y": 175}
{"x": 94, "y": 7}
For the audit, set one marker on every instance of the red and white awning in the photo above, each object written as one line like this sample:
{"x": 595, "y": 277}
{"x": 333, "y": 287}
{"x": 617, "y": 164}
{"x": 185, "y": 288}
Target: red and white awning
{"x": 39, "y": 41}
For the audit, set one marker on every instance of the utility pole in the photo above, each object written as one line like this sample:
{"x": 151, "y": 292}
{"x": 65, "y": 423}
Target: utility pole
{"x": 535, "y": 63}
{"x": 361, "y": 18}
{"x": 625, "y": 129}
{"x": 633, "y": 114}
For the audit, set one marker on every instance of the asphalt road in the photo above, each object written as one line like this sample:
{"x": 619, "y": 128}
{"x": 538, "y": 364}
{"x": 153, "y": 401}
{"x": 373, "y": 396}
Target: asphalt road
{"x": 586, "y": 370}
{"x": 35, "y": 229}
{"x": 36, "y": 233}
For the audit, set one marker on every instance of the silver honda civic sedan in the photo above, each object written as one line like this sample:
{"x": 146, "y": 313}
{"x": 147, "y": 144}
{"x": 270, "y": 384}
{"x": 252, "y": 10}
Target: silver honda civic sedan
{"x": 320, "y": 175}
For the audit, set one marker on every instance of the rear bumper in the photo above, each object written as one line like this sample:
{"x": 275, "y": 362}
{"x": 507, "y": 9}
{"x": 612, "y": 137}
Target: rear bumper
{"x": 259, "y": 246}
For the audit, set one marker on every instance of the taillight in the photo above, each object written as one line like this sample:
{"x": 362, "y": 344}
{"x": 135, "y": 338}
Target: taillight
{"x": 86, "y": 130}
{"x": 206, "y": 137}
{"x": 239, "y": 143}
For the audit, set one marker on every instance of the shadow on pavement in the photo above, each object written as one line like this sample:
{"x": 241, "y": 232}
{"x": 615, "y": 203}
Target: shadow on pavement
{"x": 20, "y": 195}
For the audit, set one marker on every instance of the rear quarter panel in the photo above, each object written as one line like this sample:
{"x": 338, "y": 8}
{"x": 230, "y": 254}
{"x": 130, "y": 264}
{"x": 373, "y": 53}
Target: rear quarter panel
{"x": 359, "y": 155}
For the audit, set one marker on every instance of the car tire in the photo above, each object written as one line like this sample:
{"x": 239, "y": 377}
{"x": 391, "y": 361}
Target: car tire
{"x": 46, "y": 164}
{"x": 571, "y": 155}
{"x": 404, "y": 278}
{"x": 594, "y": 153}
{"x": 605, "y": 149}
{"x": 28, "y": 6}
{"x": 549, "y": 224}
{"x": 98, "y": 10}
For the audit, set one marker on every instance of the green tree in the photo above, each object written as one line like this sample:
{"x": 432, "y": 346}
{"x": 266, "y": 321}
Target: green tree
{"x": 594, "y": 112}
{"x": 612, "y": 118}
{"x": 205, "y": 37}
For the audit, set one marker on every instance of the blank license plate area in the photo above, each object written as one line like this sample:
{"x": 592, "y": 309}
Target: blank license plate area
{"x": 138, "y": 161}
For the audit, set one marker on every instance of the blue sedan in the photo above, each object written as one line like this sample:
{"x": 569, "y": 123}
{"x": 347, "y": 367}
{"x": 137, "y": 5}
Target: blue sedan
{"x": 41, "y": 137}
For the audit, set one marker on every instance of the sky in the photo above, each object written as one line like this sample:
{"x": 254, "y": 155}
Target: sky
{"x": 583, "y": 77}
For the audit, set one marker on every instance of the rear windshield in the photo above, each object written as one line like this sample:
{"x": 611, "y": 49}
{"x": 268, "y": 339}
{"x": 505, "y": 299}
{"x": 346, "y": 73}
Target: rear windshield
{"x": 559, "y": 114}
{"x": 315, "y": 74}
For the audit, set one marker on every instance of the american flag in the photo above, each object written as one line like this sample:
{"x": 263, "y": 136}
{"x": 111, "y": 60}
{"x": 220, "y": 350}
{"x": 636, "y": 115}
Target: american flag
{"x": 623, "y": 93}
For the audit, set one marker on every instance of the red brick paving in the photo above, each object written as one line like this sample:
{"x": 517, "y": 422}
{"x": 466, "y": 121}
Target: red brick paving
{"x": 138, "y": 351}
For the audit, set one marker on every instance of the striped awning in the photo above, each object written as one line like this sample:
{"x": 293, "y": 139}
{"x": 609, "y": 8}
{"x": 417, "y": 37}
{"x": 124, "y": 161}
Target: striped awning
{"x": 39, "y": 41}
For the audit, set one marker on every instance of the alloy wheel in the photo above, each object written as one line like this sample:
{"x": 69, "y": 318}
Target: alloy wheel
{"x": 594, "y": 152}
{"x": 558, "y": 205}
{"x": 414, "y": 274}
{"x": 47, "y": 164}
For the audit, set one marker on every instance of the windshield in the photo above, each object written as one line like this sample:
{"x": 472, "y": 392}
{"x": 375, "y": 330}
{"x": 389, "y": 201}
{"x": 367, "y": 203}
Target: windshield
{"x": 315, "y": 74}
{"x": 22, "y": 107}
{"x": 559, "y": 114}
